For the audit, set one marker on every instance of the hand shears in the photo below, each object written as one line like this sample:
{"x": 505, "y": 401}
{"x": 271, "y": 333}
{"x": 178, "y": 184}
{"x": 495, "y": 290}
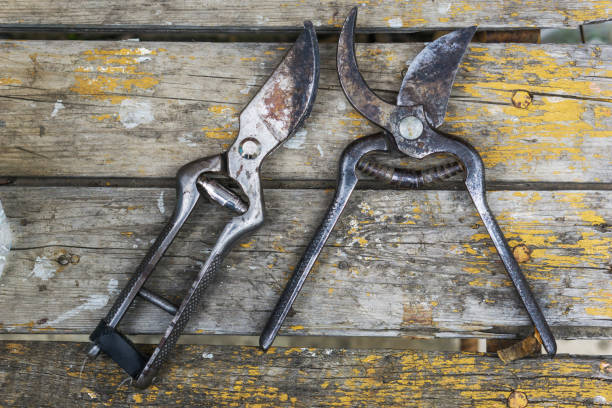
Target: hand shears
{"x": 271, "y": 117}
{"x": 410, "y": 130}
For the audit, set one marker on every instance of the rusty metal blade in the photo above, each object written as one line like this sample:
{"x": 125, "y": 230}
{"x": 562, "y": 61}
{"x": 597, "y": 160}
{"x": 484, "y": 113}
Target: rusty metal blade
{"x": 287, "y": 97}
{"x": 431, "y": 74}
{"x": 354, "y": 86}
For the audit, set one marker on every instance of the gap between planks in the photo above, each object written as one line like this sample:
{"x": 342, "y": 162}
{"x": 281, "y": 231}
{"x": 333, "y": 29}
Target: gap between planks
{"x": 367, "y": 183}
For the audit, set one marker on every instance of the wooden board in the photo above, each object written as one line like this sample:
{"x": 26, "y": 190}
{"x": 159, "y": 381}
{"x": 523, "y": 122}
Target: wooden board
{"x": 298, "y": 377}
{"x": 124, "y": 109}
{"x": 265, "y": 15}
{"x": 400, "y": 263}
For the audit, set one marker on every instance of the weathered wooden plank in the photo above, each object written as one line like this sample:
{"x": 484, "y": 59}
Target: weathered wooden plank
{"x": 262, "y": 15}
{"x": 399, "y": 263}
{"x": 299, "y": 377}
{"x": 120, "y": 109}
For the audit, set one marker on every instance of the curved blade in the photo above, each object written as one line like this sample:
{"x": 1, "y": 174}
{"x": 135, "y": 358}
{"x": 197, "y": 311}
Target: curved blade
{"x": 354, "y": 86}
{"x": 287, "y": 97}
{"x": 431, "y": 74}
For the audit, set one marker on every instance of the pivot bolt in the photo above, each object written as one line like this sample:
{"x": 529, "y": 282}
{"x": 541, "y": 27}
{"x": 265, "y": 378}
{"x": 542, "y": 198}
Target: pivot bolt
{"x": 249, "y": 148}
{"x": 411, "y": 127}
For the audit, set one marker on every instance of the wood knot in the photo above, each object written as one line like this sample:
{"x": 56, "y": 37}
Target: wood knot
{"x": 521, "y": 99}
{"x": 521, "y": 253}
{"x": 517, "y": 399}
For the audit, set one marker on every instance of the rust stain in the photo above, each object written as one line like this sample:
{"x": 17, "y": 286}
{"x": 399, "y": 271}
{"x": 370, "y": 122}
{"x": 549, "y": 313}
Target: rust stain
{"x": 521, "y": 253}
{"x": 517, "y": 399}
{"x": 521, "y": 99}
{"x": 416, "y": 314}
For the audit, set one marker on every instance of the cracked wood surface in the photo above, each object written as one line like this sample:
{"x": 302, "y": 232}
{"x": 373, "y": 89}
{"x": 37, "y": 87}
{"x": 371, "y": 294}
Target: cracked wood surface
{"x": 376, "y": 15}
{"x": 299, "y": 377}
{"x": 536, "y": 113}
{"x": 399, "y": 263}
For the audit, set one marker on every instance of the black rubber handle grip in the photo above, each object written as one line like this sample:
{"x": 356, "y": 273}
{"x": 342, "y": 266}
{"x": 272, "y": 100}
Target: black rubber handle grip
{"x": 119, "y": 348}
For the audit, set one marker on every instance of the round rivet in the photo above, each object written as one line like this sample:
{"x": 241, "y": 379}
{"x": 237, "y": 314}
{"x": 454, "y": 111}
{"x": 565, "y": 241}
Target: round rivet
{"x": 410, "y": 128}
{"x": 249, "y": 148}
{"x": 517, "y": 399}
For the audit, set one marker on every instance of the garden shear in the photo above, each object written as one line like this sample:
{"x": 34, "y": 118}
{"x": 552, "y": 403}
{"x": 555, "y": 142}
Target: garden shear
{"x": 271, "y": 117}
{"x": 409, "y": 129}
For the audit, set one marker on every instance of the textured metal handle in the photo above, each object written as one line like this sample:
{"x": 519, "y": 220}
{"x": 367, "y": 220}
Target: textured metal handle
{"x": 187, "y": 197}
{"x": 304, "y": 266}
{"x": 178, "y": 323}
{"x": 407, "y": 177}
{"x": 153, "y": 255}
{"x": 475, "y": 184}
{"x": 346, "y": 183}
{"x": 514, "y": 271}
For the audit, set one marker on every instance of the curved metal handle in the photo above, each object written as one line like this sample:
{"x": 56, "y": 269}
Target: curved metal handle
{"x": 475, "y": 184}
{"x": 233, "y": 231}
{"x": 187, "y": 197}
{"x": 346, "y": 183}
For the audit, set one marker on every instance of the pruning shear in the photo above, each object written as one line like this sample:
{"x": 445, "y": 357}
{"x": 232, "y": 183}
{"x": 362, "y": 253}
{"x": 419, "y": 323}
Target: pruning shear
{"x": 272, "y": 116}
{"x": 409, "y": 128}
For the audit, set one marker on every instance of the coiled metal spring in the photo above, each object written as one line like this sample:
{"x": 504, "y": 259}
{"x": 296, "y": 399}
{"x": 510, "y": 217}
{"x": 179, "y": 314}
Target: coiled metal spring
{"x": 407, "y": 177}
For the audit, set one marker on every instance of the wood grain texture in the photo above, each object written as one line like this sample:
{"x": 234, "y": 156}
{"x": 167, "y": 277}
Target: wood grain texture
{"x": 123, "y": 109}
{"x": 265, "y": 15}
{"x": 399, "y": 263}
{"x": 298, "y": 377}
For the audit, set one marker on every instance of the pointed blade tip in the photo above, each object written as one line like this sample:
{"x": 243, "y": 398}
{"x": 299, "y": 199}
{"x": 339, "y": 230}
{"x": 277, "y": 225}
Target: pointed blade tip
{"x": 421, "y": 88}
{"x": 287, "y": 97}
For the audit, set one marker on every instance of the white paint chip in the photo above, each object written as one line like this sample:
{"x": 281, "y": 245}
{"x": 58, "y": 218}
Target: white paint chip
{"x": 133, "y": 113}
{"x": 44, "y": 268}
{"x": 143, "y": 51}
{"x": 160, "y": 203}
{"x": 444, "y": 7}
{"x": 600, "y": 400}
{"x": 112, "y": 287}
{"x": 93, "y": 302}
{"x": 297, "y": 141}
{"x": 395, "y": 22}
{"x": 320, "y": 150}
{"x": 6, "y": 239}
{"x": 57, "y": 107}
{"x": 207, "y": 355}
{"x": 187, "y": 138}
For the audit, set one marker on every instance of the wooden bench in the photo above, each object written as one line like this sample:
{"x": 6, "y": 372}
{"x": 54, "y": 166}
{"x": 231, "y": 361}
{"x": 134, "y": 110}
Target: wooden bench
{"x": 92, "y": 133}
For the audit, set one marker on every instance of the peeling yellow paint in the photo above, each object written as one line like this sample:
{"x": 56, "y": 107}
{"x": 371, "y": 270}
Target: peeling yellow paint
{"x": 592, "y": 217}
{"x": 222, "y": 132}
{"x": 9, "y": 81}
{"x": 248, "y": 244}
{"x": 103, "y": 117}
{"x": 221, "y": 109}
{"x": 106, "y": 87}
{"x": 116, "y": 73}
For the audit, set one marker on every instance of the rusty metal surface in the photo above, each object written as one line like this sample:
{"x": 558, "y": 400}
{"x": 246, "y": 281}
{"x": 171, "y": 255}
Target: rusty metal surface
{"x": 272, "y": 116}
{"x": 411, "y": 131}
{"x": 431, "y": 74}
{"x": 354, "y": 86}
{"x": 407, "y": 177}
